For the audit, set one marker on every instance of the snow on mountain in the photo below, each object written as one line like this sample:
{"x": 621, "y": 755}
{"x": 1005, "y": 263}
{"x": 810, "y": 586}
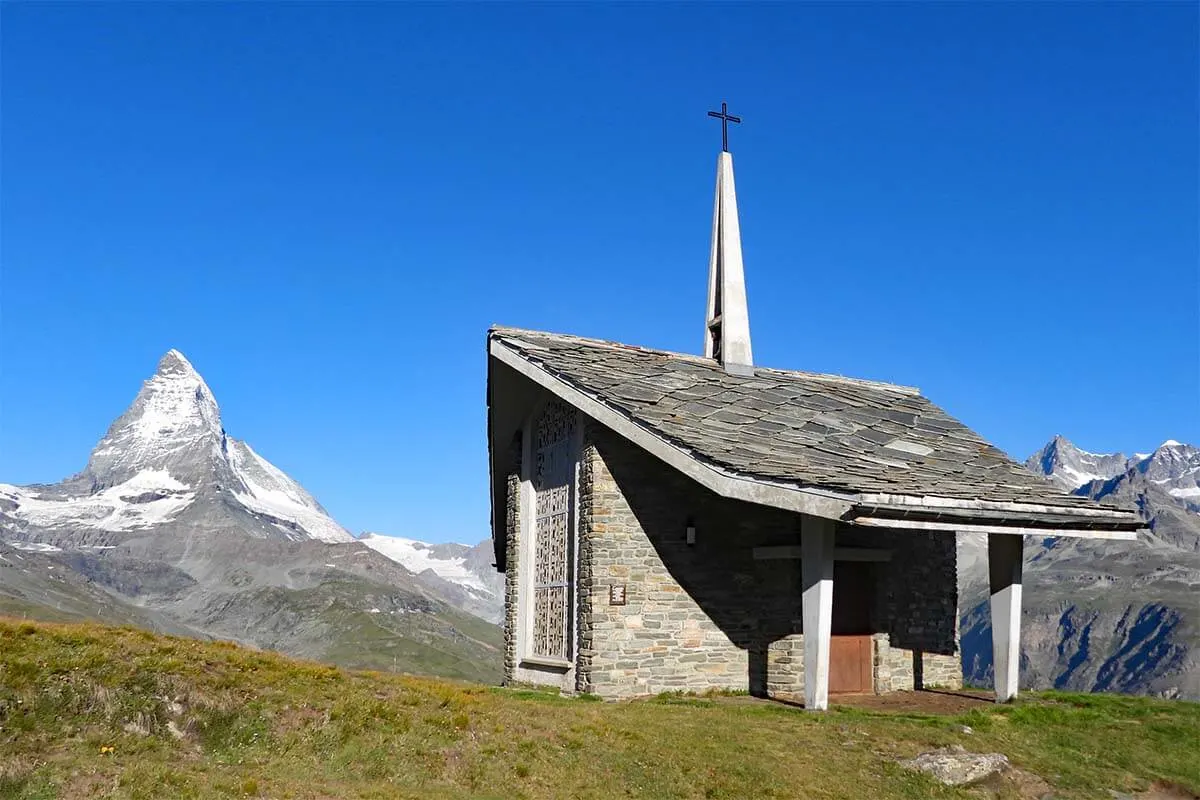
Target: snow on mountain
{"x": 167, "y": 460}
{"x": 1173, "y": 467}
{"x": 149, "y": 498}
{"x": 416, "y": 557}
{"x": 480, "y": 588}
{"x": 270, "y": 491}
{"x": 36, "y": 547}
{"x": 173, "y": 425}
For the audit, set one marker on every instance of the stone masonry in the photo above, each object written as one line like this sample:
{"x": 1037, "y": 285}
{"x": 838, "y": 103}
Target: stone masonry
{"x": 709, "y": 615}
{"x": 512, "y": 553}
{"x": 898, "y": 669}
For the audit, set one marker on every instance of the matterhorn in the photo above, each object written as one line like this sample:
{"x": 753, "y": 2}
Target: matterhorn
{"x": 167, "y": 463}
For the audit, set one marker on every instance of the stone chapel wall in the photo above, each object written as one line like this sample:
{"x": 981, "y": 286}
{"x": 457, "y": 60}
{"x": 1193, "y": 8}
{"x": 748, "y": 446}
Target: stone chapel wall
{"x": 709, "y": 616}
{"x": 696, "y": 617}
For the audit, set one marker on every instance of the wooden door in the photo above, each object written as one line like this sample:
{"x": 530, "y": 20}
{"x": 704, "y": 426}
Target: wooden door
{"x": 850, "y": 668}
{"x": 850, "y": 651}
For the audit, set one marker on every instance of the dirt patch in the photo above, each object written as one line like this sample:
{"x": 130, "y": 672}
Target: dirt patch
{"x": 927, "y": 701}
{"x": 1014, "y": 782}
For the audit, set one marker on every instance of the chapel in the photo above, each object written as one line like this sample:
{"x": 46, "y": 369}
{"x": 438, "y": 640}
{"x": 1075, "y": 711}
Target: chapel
{"x": 691, "y": 522}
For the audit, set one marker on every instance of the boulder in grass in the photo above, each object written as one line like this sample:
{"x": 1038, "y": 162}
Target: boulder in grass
{"x": 954, "y": 766}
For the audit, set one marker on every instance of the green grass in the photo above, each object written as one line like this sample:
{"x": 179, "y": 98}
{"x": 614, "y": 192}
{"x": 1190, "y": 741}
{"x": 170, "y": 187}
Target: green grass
{"x": 192, "y": 719}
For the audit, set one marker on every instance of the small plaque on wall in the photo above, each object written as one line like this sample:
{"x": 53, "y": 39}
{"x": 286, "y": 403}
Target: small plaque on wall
{"x": 616, "y": 594}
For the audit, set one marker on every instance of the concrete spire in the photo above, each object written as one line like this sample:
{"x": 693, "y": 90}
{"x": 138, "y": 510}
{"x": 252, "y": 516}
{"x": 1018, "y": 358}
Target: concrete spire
{"x": 727, "y": 333}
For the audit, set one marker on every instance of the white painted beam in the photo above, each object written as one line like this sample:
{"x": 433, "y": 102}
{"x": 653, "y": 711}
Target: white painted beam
{"x": 960, "y": 504}
{"x": 816, "y": 570}
{"x": 959, "y": 526}
{"x": 1004, "y": 574}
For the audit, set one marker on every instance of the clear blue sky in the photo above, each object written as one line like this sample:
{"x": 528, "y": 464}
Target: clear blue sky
{"x": 325, "y": 206}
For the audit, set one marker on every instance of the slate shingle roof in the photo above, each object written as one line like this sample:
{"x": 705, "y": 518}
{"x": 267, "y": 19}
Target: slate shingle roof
{"x": 797, "y": 428}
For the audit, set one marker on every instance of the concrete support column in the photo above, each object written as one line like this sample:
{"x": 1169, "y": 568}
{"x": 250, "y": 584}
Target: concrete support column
{"x": 816, "y": 568}
{"x": 1004, "y": 574}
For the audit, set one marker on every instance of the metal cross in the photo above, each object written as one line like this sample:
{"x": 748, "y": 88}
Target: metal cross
{"x": 725, "y": 118}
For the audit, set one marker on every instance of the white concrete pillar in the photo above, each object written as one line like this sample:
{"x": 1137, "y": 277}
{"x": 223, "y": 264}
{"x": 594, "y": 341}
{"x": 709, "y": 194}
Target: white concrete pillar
{"x": 816, "y": 569}
{"x": 1004, "y": 573}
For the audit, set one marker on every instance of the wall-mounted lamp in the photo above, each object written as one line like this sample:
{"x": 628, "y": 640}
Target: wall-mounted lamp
{"x": 691, "y": 533}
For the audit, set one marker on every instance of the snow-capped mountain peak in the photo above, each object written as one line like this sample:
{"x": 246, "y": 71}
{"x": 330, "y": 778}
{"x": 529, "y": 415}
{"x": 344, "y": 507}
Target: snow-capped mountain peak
{"x": 173, "y": 422}
{"x": 1173, "y": 468}
{"x": 1071, "y": 467}
{"x": 175, "y": 361}
{"x": 167, "y": 459}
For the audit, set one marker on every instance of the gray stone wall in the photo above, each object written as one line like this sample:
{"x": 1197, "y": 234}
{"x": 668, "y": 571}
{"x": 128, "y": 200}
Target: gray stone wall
{"x": 941, "y": 671}
{"x": 900, "y": 669}
{"x": 588, "y": 588}
{"x": 785, "y": 668}
{"x": 512, "y": 557}
{"x": 696, "y": 617}
{"x": 710, "y": 616}
{"x": 920, "y": 601}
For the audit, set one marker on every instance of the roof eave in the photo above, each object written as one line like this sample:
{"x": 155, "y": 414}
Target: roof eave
{"x": 978, "y": 505}
{"x": 957, "y": 514}
{"x": 1059, "y": 521}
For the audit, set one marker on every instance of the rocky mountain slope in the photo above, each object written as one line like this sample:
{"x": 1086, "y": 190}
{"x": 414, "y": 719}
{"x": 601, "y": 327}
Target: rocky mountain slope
{"x": 177, "y": 526}
{"x": 1104, "y": 615}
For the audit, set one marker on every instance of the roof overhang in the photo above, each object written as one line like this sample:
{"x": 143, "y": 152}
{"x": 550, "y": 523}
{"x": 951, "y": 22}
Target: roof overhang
{"x": 902, "y": 512}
